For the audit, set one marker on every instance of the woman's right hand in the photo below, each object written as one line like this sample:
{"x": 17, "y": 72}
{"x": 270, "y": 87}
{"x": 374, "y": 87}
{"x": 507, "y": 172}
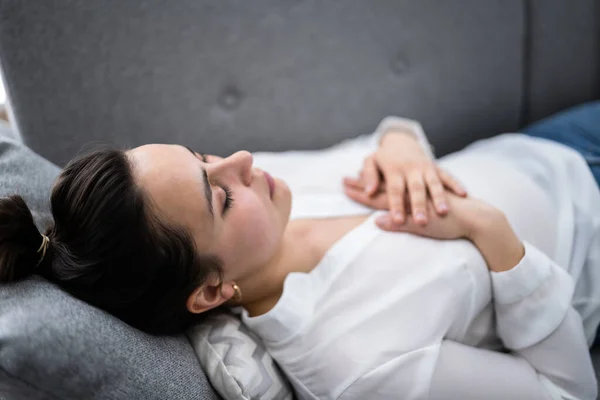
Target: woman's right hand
{"x": 402, "y": 166}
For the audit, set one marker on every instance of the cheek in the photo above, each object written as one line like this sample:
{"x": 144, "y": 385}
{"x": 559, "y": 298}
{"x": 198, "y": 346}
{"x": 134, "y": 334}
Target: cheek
{"x": 252, "y": 233}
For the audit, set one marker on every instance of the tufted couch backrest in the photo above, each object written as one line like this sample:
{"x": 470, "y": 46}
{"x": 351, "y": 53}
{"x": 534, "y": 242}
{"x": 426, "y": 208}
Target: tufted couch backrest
{"x": 272, "y": 75}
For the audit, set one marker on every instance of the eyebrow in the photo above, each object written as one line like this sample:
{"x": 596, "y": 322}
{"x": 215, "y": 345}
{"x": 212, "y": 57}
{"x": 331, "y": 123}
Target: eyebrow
{"x": 207, "y": 189}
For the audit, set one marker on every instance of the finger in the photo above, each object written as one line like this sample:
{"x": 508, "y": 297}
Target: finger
{"x": 451, "y": 183}
{"x": 371, "y": 175}
{"x": 418, "y": 197}
{"x": 354, "y": 183}
{"x": 386, "y": 223}
{"x": 357, "y": 184}
{"x": 396, "y": 189}
{"x": 436, "y": 192}
{"x": 378, "y": 201}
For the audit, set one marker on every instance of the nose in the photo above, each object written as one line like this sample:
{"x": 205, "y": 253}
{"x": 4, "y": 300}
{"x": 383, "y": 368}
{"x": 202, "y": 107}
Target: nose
{"x": 236, "y": 166}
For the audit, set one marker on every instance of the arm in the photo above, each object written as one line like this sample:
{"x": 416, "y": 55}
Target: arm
{"x": 548, "y": 370}
{"x": 549, "y": 357}
{"x": 534, "y": 316}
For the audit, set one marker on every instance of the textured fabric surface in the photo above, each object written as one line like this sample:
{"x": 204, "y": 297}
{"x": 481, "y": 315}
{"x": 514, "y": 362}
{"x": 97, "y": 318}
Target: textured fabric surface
{"x": 25, "y": 173}
{"x": 564, "y": 55}
{"x": 224, "y": 75}
{"x": 54, "y": 346}
{"x": 236, "y": 360}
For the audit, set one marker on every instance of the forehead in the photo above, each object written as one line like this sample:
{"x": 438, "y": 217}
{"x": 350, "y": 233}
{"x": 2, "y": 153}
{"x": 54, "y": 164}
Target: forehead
{"x": 172, "y": 177}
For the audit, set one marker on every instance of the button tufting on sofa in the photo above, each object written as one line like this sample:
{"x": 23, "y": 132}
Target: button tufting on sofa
{"x": 400, "y": 65}
{"x": 230, "y": 99}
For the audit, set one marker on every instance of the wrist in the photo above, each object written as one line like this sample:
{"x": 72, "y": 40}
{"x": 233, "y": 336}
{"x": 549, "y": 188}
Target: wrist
{"x": 497, "y": 242}
{"x": 480, "y": 220}
{"x": 394, "y": 136}
{"x": 402, "y": 143}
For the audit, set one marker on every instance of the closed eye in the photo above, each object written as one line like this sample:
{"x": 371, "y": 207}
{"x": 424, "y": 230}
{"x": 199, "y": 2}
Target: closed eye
{"x": 228, "y": 203}
{"x": 228, "y": 199}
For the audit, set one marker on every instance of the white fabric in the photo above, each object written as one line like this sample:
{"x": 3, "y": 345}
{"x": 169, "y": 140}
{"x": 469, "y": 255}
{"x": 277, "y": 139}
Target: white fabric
{"x": 391, "y": 315}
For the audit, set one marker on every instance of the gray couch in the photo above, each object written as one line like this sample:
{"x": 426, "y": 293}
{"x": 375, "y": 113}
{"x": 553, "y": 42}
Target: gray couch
{"x": 263, "y": 75}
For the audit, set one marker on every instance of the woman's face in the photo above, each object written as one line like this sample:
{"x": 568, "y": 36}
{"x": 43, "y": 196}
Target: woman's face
{"x": 225, "y": 203}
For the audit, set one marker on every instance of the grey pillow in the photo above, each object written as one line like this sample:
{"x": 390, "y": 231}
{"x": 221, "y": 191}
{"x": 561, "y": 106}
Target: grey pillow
{"x": 53, "y": 346}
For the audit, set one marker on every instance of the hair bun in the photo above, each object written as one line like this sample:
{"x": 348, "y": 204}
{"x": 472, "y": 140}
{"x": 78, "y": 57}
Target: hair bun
{"x": 19, "y": 240}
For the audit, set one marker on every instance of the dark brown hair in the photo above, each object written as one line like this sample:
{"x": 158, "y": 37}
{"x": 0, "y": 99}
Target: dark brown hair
{"x": 108, "y": 246}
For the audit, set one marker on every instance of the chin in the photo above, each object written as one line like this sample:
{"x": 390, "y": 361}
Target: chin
{"x": 282, "y": 185}
{"x": 284, "y": 199}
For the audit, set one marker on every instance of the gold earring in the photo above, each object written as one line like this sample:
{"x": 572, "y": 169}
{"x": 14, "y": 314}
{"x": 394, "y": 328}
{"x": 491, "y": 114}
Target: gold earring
{"x": 236, "y": 299}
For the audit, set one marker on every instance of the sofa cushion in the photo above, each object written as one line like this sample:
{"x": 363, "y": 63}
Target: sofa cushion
{"x": 55, "y": 346}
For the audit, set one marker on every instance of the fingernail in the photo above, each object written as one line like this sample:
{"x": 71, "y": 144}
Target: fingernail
{"x": 398, "y": 217}
{"x": 443, "y": 207}
{"x": 420, "y": 216}
{"x": 369, "y": 187}
{"x": 384, "y": 220}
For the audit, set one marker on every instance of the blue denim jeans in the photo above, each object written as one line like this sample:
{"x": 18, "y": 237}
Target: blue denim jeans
{"x": 578, "y": 128}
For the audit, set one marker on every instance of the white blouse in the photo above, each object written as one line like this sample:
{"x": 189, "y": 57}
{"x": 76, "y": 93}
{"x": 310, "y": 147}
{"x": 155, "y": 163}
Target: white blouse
{"x": 392, "y": 315}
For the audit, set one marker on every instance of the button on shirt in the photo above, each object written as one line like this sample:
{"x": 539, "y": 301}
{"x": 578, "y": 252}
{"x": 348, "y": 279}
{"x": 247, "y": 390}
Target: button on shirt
{"x": 392, "y": 315}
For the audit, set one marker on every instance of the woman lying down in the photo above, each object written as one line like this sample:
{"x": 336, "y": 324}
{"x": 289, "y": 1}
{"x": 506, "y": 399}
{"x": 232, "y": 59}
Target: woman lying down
{"x": 484, "y": 289}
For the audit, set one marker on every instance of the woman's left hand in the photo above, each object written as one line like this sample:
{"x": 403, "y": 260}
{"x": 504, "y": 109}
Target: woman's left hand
{"x": 472, "y": 219}
{"x": 468, "y": 217}
{"x": 400, "y": 165}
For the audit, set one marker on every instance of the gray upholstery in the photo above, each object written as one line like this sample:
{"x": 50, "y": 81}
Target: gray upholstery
{"x": 229, "y": 74}
{"x": 53, "y": 346}
{"x": 563, "y": 61}
{"x": 271, "y": 75}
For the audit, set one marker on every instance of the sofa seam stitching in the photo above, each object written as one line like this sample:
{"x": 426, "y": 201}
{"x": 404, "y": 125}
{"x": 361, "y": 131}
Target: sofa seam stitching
{"x": 27, "y": 383}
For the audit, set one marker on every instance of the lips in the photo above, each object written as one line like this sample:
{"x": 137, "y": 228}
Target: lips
{"x": 271, "y": 183}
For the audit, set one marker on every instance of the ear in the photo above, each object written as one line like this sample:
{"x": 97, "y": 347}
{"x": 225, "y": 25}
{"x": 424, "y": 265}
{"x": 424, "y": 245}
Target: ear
{"x": 211, "y": 294}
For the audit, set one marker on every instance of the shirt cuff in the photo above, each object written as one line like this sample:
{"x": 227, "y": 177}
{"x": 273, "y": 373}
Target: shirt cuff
{"x": 523, "y": 279}
{"x": 531, "y": 299}
{"x": 406, "y": 125}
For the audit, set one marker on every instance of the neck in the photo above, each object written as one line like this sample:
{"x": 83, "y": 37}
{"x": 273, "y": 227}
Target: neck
{"x": 297, "y": 253}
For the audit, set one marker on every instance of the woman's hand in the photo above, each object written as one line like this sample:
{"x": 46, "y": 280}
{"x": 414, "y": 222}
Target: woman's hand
{"x": 401, "y": 166}
{"x": 467, "y": 217}
{"x": 472, "y": 219}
